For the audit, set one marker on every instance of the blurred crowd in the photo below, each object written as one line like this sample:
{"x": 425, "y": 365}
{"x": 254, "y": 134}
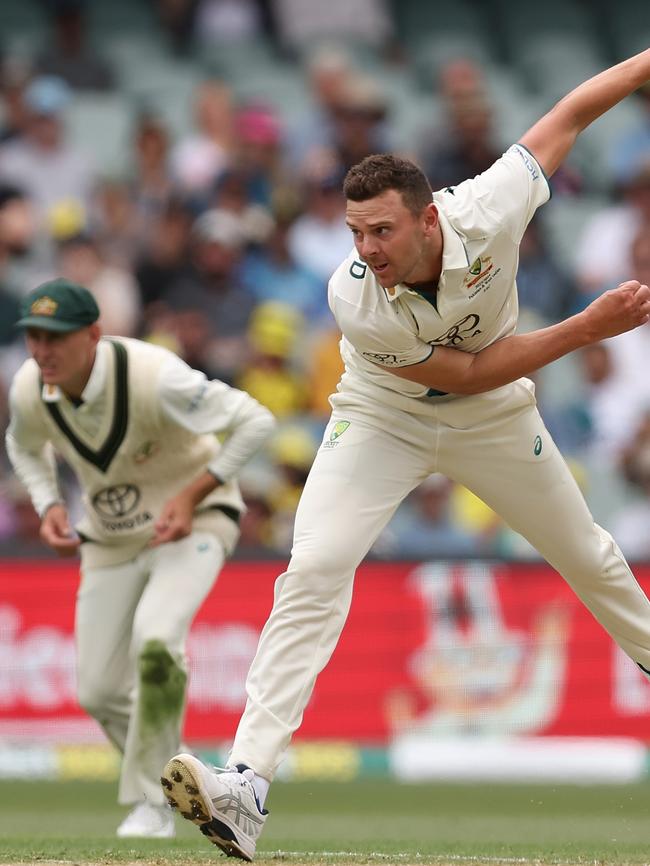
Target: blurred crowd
{"x": 218, "y": 243}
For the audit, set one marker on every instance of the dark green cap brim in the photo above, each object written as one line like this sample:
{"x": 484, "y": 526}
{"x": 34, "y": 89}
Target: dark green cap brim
{"x": 47, "y": 323}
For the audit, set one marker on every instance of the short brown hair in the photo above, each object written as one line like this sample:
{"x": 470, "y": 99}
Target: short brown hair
{"x": 380, "y": 172}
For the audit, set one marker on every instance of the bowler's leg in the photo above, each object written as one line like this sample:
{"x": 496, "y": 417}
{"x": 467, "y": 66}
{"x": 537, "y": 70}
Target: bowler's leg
{"x": 514, "y": 466}
{"x": 357, "y": 481}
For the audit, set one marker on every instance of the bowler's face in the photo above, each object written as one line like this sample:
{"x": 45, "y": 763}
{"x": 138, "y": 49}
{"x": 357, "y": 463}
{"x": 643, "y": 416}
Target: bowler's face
{"x": 63, "y": 359}
{"x": 394, "y": 242}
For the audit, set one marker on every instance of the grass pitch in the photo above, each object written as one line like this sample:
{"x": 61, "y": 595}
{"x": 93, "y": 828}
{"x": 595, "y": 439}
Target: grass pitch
{"x": 358, "y": 822}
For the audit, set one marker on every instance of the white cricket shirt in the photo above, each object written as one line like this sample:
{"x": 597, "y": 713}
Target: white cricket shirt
{"x": 482, "y": 222}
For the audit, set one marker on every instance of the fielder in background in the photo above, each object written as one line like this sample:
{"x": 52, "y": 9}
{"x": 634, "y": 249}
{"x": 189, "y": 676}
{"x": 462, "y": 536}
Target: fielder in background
{"x": 427, "y": 304}
{"x": 139, "y": 428}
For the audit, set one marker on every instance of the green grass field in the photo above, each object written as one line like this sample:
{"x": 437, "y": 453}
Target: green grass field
{"x": 350, "y": 822}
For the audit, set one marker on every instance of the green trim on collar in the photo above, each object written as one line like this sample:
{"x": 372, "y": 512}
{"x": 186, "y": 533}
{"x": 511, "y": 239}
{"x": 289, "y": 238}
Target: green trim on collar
{"x": 103, "y": 458}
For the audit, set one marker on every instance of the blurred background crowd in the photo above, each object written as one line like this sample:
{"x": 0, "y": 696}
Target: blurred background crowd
{"x": 183, "y": 159}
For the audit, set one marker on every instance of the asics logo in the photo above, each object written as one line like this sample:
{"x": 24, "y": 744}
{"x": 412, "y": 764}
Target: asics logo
{"x": 232, "y": 805}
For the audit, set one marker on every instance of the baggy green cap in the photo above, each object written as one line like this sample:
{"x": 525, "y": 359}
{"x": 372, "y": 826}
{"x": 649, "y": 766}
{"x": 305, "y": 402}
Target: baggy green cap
{"x": 58, "y": 305}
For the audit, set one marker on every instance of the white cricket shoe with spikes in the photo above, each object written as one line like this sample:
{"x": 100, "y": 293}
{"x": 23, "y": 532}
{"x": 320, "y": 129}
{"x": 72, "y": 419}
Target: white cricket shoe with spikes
{"x": 221, "y": 802}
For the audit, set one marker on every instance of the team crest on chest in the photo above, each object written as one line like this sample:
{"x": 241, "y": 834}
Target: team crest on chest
{"x": 146, "y": 452}
{"x": 480, "y": 275}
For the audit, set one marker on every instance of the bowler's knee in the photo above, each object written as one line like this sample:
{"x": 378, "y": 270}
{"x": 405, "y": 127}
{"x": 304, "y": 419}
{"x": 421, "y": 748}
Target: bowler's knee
{"x": 592, "y": 560}
{"x": 323, "y": 569}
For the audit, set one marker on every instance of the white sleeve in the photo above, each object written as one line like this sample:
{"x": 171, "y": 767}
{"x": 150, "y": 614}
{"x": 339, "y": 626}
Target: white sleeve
{"x": 510, "y": 190}
{"x": 32, "y": 458}
{"x": 202, "y": 405}
{"x": 379, "y": 338}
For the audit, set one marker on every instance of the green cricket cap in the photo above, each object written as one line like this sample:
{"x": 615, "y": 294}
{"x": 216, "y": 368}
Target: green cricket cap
{"x": 58, "y": 305}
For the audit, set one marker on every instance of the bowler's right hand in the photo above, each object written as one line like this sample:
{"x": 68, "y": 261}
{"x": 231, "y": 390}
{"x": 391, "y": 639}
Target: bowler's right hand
{"x": 618, "y": 310}
{"x": 56, "y": 531}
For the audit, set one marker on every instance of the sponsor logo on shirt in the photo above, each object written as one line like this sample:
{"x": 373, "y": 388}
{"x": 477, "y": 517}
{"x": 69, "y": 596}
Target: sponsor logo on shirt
{"x": 358, "y": 270}
{"x": 115, "y": 507}
{"x": 530, "y": 165}
{"x": 195, "y": 402}
{"x": 466, "y": 327}
{"x": 386, "y": 359}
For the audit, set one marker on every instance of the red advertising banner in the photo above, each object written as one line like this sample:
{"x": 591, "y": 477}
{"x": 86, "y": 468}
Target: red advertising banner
{"x": 442, "y": 648}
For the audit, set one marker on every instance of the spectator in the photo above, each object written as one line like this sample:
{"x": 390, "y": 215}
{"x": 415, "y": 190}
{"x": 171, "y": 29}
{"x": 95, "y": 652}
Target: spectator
{"x": 325, "y": 368}
{"x": 200, "y": 157}
{"x": 299, "y": 23}
{"x": 465, "y": 145}
{"x": 164, "y": 259}
{"x": 270, "y": 273}
{"x": 233, "y": 192}
{"x": 51, "y": 170}
{"x": 632, "y": 352}
{"x": 14, "y": 235}
{"x": 219, "y": 22}
{"x": 212, "y": 285}
{"x": 68, "y": 56}
{"x": 319, "y": 238}
{"x": 292, "y": 450}
{"x": 613, "y": 403}
{"x": 271, "y": 374}
{"x": 259, "y": 153}
{"x": 542, "y": 287}
{"x": 114, "y": 288}
{"x": 115, "y": 223}
{"x": 632, "y": 147}
{"x": 603, "y": 251}
{"x": 360, "y": 121}
{"x": 177, "y": 18}
{"x": 14, "y": 78}
{"x": 329, "y": 68}
{"x": 151, "y": 185}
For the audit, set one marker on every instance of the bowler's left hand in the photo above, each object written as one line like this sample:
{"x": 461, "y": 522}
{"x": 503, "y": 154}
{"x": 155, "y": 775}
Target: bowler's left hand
{"x": 174, "y": 522}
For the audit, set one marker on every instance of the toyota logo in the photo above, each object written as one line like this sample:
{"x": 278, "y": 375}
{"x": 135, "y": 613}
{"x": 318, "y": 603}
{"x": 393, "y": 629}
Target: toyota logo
{"x": 118, "y": 501}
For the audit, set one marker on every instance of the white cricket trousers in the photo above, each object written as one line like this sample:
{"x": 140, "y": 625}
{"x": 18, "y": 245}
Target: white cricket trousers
{"x": 496, "y": 445}
{"x": 132, "y": 622}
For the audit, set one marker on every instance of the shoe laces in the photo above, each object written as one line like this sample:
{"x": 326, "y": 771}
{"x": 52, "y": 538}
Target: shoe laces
{"x": 246, "y": 777}
{"x": 243, "y": 778}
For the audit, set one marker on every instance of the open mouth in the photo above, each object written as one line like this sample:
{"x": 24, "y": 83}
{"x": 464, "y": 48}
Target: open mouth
{"x": 379, "y": 269}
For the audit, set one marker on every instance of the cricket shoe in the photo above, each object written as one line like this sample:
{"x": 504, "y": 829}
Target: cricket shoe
{"x": 221, "y": 802}
{"x": 147, "y": 821}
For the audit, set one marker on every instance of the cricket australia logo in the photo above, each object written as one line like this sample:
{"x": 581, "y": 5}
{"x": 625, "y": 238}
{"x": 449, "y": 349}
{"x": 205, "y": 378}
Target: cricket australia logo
{"x": 115, "y": 507}
{"x": 337, "y": 430}
{"x": 146, "y": 451}
{"x": 480, "y": 275}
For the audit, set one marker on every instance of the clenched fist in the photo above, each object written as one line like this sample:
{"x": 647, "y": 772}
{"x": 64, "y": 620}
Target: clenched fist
{"x": 618, "y": 310}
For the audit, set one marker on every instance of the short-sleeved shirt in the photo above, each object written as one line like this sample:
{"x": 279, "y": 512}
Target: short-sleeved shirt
{"x": 482, "y": 222}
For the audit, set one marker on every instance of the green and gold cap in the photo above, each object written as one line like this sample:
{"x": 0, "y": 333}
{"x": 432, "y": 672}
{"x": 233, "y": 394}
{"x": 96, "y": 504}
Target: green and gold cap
{"x": 58, "y": 305}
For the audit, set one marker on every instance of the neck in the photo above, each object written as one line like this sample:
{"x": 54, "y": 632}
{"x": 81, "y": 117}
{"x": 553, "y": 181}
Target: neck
{"x": 427, "y": 272}
{"x": 75, "y": 387}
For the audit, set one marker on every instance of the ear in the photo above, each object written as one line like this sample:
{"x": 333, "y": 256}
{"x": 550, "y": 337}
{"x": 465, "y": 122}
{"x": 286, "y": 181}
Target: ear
{"x": 95, "y": 332}
{"x": 430, "y": 219}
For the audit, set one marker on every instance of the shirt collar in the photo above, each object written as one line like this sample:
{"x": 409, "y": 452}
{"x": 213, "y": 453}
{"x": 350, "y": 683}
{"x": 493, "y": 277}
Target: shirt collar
{"x": 96, "y": 380}
{"x": 454, "y": 254}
